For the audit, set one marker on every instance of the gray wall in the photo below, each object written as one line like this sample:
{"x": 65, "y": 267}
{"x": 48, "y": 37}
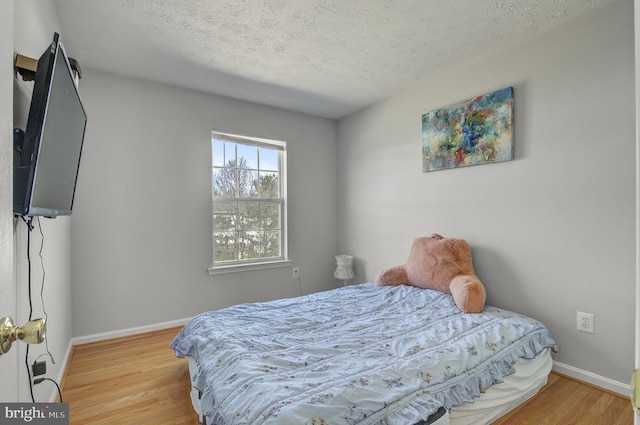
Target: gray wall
{"x": 142, "y": 225}
{"x": 553, "y": 231}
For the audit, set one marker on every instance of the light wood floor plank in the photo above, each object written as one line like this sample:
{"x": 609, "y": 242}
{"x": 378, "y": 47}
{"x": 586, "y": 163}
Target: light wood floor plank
{"x": 138, "y": 380}
{"x": 130, "y": 380}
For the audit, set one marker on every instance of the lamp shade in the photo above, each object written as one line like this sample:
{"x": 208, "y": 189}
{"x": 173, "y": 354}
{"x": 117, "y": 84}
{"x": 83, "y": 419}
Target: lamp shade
{"x": 344, "y": 268}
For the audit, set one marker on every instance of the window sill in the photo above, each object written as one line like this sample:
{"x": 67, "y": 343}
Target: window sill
{"x": 234, "y": 268}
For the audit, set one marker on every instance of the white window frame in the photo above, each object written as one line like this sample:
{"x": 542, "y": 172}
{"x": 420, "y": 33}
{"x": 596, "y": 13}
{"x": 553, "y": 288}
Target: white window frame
{"x": 254, "y": 264}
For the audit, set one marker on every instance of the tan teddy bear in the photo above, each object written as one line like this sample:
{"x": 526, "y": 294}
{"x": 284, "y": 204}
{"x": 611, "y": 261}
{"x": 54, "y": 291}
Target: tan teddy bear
{"x": 440, "y": 263}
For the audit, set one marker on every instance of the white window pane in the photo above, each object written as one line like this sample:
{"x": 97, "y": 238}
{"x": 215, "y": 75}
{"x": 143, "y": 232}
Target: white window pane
{"x": 269, "y": 185}
{"x": 270, "y": 216}
{"x": 271, "y": 244}
{"x": 249, "y": 245}
{"x": 225, "y": 246}
{"x": 217, "y": 152}
{"x": 249, "y": 215}
{"x": 224, "y": 182}
{"x": 229, "y": 154}
{"x": 269, "y": 159}
{"x": 225, "y": 216}
{"x": 247, "y": 157}
{"x": 247, "y": 184}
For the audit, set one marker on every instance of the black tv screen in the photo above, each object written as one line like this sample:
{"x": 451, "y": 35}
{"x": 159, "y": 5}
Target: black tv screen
{"x": 45, "y": 178}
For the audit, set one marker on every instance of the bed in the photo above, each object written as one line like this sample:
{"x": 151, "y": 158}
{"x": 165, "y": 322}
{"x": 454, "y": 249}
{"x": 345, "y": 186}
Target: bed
{"x": 362, "y": 354}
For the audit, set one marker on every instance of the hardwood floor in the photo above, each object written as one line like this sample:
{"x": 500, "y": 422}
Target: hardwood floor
{"x": 564, "y": 401}
{"x": 131, "y": 380}
{"x": 138, "y": 380}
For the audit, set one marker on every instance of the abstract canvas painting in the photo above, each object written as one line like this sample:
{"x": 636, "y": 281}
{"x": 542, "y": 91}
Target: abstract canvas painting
{"x": 478, "y": 131}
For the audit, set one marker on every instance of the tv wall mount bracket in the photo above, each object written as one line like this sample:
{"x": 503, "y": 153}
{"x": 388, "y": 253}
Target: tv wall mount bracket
{"x": 26, "y": 67}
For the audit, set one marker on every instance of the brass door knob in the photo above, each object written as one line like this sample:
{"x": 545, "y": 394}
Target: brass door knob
{"x": 32, "y": 332}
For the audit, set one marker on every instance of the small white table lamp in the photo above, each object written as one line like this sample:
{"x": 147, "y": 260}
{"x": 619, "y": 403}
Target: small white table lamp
{"x": 344, "y": 269}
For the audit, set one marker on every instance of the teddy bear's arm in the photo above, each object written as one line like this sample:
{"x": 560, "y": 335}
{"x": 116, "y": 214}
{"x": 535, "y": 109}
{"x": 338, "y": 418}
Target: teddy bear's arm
{"x": 392, "y": 276}
{"x": 468, "y": 293}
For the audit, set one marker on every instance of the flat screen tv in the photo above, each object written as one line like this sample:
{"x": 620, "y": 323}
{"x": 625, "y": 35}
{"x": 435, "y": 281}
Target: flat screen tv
{"x": 46, "y": 173}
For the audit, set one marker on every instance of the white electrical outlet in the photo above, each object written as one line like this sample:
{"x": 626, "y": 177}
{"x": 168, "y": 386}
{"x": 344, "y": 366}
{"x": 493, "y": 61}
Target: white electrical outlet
{"x": 586, "y": 322}
{"x": 295, "y": 272}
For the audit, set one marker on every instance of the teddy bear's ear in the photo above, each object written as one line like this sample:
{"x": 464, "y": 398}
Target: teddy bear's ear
{"x": 437, "y": 236}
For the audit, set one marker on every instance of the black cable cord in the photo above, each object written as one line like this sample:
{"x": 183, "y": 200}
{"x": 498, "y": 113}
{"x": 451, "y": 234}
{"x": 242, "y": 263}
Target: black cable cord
{"x": 26, "y": 363}
{"x": 46, "y": 316}
{"x": 26, "y": 357}
{"x": 41, "y": 355}
{"x": 29, "y": 229}
{"x": 38, "y": 380}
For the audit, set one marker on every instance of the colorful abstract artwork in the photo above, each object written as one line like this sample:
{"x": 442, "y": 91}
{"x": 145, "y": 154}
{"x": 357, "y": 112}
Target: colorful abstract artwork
{"x": 478, "y": 131}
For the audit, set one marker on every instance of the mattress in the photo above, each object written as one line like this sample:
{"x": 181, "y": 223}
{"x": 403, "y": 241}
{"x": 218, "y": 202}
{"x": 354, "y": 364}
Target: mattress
{"x": 354, "y": 355}
{"x": 529, "y": 378}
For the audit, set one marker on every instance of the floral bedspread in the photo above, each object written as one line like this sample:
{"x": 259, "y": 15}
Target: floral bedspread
{"x": 354, "y": 355}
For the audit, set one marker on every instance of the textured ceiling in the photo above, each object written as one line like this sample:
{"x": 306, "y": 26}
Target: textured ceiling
{"x": 323, "y": 57}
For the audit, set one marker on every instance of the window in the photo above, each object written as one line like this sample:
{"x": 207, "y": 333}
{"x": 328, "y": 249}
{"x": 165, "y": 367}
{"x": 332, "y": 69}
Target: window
{"x": 249, "y": 195}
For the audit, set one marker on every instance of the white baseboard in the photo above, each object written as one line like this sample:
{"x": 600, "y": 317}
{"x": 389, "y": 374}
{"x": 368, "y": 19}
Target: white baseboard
{"x": 127, "y": 332}
{"x": 591, "y": 378}
{"x": 61, "y": 372}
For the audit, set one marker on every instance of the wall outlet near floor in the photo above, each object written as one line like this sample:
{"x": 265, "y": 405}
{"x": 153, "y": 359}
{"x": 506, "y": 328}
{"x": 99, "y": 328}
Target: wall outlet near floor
{"x": 295, "y": 272}
{"x": 586, "y": 322}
